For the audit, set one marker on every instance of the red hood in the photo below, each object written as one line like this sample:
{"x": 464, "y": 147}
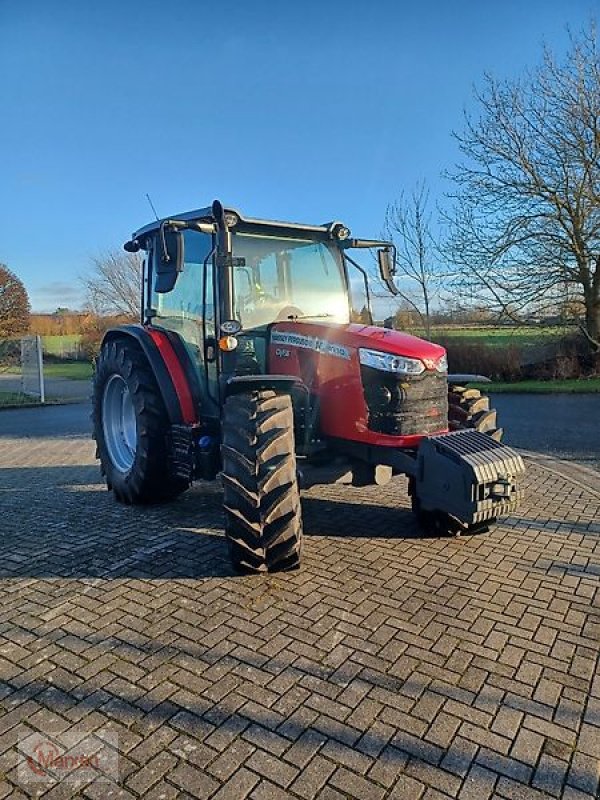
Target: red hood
{"x": 355, "y": 336}
{"x": 396, "y": 342}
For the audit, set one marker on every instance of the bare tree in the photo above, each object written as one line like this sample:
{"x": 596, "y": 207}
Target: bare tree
{"x": 14, "y": 304}
{"x": 408, "y": 224}
{"x": 526, "y": 221}
{"x": 113, "y": 285}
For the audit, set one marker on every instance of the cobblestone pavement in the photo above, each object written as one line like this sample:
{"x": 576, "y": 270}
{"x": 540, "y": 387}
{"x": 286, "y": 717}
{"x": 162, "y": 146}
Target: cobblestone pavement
{"x": 390, "y": 666}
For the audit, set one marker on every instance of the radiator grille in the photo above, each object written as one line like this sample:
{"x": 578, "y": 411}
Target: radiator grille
{"x": 405, "y": 406}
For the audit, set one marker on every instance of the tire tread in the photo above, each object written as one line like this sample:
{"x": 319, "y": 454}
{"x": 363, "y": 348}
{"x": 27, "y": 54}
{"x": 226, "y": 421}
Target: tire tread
{"x": 263, "y": 522}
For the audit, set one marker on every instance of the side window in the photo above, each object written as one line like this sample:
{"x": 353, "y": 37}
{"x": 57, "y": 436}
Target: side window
{"x": 359, "y": 297}
{"x": 267, "y": 279}
{"x": 182, "y": 309}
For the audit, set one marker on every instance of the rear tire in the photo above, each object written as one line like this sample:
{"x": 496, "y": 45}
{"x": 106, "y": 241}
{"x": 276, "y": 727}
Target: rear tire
{"x": 263, "y": 518}
{"x": 131, "y": 427}
{"x": 470, "y": 409}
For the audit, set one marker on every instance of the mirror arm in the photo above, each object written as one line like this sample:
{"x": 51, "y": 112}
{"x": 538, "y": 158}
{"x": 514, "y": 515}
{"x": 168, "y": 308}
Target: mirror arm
{"x": 180, "y": 225}
{"x": 366, "y": 243}
{"x": 392, "y": 286}
{"x": 163, "y": 242}
{"x": 365, "y": 276}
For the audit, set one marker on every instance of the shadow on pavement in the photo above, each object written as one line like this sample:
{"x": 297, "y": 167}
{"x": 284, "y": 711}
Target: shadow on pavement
{"x": 60, "y": 521}
{"x": 192, "y": 710}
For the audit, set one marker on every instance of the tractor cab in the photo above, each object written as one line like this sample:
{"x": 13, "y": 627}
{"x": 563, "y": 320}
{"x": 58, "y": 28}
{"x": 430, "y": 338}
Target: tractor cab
{"x": 220, "y": 281}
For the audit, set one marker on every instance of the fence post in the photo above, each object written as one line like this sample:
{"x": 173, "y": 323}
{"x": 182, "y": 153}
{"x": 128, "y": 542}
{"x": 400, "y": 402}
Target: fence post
{"x": 41, "y": 368}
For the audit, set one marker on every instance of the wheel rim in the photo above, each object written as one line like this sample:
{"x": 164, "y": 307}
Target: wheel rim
{"x": 119, "y": 423}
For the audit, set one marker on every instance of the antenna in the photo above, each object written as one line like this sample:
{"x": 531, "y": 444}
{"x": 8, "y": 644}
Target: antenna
{"x": 152, "y": 206}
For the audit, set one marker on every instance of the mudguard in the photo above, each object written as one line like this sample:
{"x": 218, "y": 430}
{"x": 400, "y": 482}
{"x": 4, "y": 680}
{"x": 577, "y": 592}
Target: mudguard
{"x": 172, "y": 368}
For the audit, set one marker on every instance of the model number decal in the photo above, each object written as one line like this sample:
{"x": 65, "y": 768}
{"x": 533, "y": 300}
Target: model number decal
{"x": 310, "y": 343}
{"x": 281, "y": 352}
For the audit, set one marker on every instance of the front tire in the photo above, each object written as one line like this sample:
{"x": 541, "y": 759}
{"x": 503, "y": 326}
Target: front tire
{"x": 470, "y": 409}
{"x": 131, "y": 427}
{"x": 263, "y": 518}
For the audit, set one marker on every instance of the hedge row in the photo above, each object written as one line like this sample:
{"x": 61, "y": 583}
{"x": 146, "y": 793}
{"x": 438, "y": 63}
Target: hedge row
{"x": 569, "y": 357}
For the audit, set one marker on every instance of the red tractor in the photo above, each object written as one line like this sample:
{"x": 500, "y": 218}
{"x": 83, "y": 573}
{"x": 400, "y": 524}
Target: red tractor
{"x": 246, "y": 363}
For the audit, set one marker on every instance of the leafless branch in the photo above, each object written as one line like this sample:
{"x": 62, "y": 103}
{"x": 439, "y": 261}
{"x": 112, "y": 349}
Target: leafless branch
{"x": 113, "y": 285}
{"x": 526, "y": 203}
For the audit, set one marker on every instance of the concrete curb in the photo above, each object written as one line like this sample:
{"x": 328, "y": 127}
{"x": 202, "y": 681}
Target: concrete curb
{"x": 53, "y": 401}
{"x": 585, "y": 477}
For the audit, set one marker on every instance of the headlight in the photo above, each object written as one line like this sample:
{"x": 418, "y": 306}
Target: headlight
{"x": 390, "y": 363}
{"x": 442, "y": 364}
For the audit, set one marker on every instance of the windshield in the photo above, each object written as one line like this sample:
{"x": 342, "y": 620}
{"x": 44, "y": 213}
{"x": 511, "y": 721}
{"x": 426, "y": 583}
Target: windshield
{"x": 287, "y": 279}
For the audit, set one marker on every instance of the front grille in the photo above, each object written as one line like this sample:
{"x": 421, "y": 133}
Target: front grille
{"x": 405, "y": 406}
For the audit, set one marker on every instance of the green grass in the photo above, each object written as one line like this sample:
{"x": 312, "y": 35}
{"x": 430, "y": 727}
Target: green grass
{"x": 74, "y": 370}
{"x": 571, "y": 386}
{"x": 59, "y": 345}
{"x": 501, "y": 336}
{"x": 15, "y": 399}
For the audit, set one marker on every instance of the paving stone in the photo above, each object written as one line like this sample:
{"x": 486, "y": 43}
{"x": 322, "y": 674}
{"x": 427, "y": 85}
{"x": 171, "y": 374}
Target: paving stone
{"x": 238, "y": 786}
{"x": 387, "y": 666}
{"x": 228, "y": 762}
{"x": 550, "y": 775}
{"x": 270, "y": 767}
{"x": 507, "y": 722}
{"x": 406, "y": 787}
{"x": 478, "y": 784}
{"x": 313, "y": 777}
{"x": 527, "y": 747}
{"x": 433, "y": 776}
{"x": 151, "y": 772}
{"x": 584, "y": 773}
{"x": 193, "y": 781}
{"x": 459, "y": 756}
{"x": 356, "y": 786}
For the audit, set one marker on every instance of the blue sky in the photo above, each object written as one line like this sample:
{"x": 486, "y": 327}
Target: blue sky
{"x": 307, "y": 111}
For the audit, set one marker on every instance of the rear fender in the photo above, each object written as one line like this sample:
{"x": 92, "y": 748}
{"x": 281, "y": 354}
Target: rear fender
{"x": 174, "y": 376}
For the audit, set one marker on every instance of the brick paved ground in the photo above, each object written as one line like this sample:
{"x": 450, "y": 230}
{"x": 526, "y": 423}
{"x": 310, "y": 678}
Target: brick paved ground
{"x": 390, "y": 666}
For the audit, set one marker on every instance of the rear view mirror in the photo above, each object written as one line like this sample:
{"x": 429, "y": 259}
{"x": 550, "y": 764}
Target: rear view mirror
{"x": 386, "y": 258}
{"x": 387, "y": 267}
{"x": 168, "y": 258}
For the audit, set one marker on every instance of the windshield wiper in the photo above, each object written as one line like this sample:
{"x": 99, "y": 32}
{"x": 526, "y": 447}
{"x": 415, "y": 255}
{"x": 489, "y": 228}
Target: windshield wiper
{"x": 309, "y": 316}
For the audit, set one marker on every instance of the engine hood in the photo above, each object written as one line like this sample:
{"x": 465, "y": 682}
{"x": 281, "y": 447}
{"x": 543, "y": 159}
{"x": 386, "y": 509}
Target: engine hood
{"x": 396, "y": 342}
{"x": 354, "y": 336}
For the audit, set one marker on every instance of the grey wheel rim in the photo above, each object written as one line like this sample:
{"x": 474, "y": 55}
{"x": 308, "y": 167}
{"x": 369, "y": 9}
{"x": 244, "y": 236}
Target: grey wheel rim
{"x": 119, "y": 423}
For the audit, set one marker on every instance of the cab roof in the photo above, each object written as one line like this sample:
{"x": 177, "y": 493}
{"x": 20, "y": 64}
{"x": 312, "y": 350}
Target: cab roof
{"x": 244, "y": 224}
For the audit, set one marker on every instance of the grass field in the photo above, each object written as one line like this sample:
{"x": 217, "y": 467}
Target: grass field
{"x": 74, "y": 370}
{"x": 8, "y": 398}
{"x": 571, "y": 386}
{"x": 60, "y": 345}
{"x": 16, "y": 399}
{"x": 502, "y": 336}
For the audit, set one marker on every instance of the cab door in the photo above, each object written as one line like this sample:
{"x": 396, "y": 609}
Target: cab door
{"x": 188, "y": 310}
